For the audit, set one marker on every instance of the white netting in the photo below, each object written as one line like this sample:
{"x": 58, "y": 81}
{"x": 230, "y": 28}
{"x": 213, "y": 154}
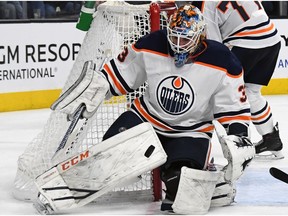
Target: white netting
{"x": 115, "y": 25}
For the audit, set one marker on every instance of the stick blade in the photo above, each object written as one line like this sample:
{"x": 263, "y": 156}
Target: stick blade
{"x": 279, "y": 174}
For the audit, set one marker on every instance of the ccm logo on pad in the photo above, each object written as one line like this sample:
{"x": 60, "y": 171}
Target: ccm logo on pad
{"x": 70, "y": 163}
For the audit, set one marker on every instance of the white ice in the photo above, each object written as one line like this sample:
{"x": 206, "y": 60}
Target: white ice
{"x": 258, "y": 193}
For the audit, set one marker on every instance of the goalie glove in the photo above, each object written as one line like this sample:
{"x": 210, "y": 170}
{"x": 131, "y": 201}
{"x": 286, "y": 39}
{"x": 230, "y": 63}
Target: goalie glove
{"x": 239, "y": 152}
{"x": 89, "y": 90}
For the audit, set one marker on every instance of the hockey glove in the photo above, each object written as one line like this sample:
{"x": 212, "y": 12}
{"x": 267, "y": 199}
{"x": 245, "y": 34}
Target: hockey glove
{"x": 89, "y": 90}
{"x": 239, "y": 152}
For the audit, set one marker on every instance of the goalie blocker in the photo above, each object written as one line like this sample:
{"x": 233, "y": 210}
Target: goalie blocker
{"x": 96, "y": 171}
{"x": 89, "y": 89}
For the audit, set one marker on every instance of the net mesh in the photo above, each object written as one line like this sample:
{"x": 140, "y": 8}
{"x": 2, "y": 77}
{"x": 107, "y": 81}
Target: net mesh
{"x": 115, "y": 25}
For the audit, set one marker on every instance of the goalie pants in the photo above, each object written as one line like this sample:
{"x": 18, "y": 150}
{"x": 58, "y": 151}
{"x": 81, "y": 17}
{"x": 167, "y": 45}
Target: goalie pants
{"x": 194, "y": 150}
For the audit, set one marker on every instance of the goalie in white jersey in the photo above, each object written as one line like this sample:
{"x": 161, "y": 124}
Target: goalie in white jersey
{"x": 247, "y": 30}
{"x": 191, "y": 82}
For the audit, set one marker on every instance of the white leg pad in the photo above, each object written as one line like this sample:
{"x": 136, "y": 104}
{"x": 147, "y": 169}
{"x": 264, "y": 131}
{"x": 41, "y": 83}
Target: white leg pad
{"x": 224, "y": 192}
{"x": 195, "y": 191}
{"x": 54, "y": 190}
{"x": 101, "y": 168}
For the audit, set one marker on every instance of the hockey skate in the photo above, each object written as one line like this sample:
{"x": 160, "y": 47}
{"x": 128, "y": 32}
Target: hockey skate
{"x": 270, "y": 146}
{"x": 166, "y": 205}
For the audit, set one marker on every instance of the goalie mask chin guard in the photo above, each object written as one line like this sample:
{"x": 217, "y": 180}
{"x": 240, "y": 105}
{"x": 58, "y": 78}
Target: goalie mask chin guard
{"x": 184, "y": 31}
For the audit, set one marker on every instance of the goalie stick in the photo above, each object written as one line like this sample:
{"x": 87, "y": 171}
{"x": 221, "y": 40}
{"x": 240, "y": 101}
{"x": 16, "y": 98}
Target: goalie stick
{"x": 75, "y": 119}
{"x": 279, "y": 174}
{"x": 78, "y": 114}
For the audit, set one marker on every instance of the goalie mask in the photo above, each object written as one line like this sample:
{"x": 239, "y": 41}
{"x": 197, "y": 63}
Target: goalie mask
{"x": 185, "y": 30}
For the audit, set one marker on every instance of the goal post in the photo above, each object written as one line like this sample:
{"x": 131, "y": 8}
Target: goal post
{"x": 115, "y": 25}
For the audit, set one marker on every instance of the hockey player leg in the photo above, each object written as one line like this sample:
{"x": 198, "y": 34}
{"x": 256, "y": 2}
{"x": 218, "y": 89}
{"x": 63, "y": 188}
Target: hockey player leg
{"x": 89, "y": 89}
{"x": 239, "y": 152}
{"x": 195, "y": 191}
{"x": 96, "y": 171}
{"x": 270, "y": 146}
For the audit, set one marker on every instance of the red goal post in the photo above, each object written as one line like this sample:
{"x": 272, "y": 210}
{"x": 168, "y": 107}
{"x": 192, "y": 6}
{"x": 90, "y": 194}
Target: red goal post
{"x": 159, "y": 13}
{"x": 115, "y": 25}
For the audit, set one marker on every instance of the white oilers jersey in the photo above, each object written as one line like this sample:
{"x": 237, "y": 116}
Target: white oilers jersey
{"x": 238, "y": 23}
{"x": 181, "y": 101}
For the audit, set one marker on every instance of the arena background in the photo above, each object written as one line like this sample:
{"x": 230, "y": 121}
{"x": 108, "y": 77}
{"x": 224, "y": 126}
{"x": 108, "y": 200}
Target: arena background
{"x": 35, "y": 65}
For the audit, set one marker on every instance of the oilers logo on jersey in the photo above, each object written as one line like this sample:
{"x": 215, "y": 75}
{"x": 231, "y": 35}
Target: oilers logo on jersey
{"x": 180, "y": 101}
{"x": 175, "y": 95}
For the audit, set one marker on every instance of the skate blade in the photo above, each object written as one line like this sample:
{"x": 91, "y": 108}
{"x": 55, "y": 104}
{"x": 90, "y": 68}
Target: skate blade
{"x": 269, "y": 155}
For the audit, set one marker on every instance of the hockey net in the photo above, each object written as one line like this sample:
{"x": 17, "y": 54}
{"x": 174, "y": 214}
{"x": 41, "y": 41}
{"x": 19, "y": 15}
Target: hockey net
{"x": 115, "y": 25}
